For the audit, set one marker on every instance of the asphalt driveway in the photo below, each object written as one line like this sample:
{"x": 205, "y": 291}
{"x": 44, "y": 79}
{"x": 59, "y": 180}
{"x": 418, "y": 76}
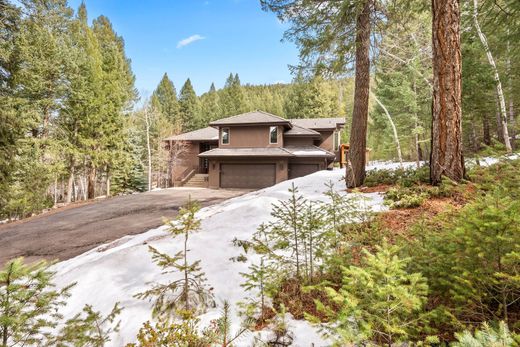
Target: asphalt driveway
{"x": 67, "y": 232}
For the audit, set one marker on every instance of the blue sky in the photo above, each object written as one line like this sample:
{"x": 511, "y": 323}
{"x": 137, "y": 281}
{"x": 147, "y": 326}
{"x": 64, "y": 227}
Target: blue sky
{"x": 221, "y": 36}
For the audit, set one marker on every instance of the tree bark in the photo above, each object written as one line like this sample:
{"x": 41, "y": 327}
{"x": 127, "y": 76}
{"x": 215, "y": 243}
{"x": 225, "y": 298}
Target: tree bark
{"x": 355, "y": 173}
{"x": 70, "y": 184}
{"x": 512, "y": 118}
{"x": 498, "y": 83}
{"x": 446, "y": 157}
{"x": 148, "y": 147}
{"x": 91, "y": 185}
{"x": 485, "y": 131}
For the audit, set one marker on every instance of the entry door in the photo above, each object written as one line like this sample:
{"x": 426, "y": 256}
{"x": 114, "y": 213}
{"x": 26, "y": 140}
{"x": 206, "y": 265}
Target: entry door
{"x": 247, "y": 175}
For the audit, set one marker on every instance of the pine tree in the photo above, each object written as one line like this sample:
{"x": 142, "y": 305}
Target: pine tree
{"x": 487, "y": 336}
{"x": 89, "y": 328}
{"x": 380, "y": 302}
{"x": 29, "y": 305}
{"x": 210, "y": 105}
{"x": 189, "y": 107}
{"x": 189, "y": 293}
{"x": 166, "y": 97}
{"x": 232, "y": 97}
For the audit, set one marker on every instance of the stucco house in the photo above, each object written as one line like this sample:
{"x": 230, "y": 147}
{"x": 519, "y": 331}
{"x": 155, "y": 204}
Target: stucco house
{"x": 254, "y": 150}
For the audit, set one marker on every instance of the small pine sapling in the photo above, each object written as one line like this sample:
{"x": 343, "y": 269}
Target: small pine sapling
{"x": 190, "y": 292}
{"x": 220, "y": 330}
{"x": 261, "y": 280}
{"x": 93, "y": 329}
{"x": 29, "y": 305}
{"x": 379, "y": 301}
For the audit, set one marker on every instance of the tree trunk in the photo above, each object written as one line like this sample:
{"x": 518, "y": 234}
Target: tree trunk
{"x": 70, "y": 184}
{"x": 91, "y": 185}
{"x": 446, "y": 157}
{"x": 108, "y": 183}
{"x": 485, "y": 131}
{"x": 394, "y": 130}
{"x": 149, "y": 149}
{"x": 500, "y": 92}
{"x": 355, "y": 173}
{"x": 500, "y": 124}
{"x": 512, "y": 120}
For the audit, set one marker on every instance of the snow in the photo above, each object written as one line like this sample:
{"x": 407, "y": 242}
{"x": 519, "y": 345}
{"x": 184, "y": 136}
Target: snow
{"x": 116, "y": 271}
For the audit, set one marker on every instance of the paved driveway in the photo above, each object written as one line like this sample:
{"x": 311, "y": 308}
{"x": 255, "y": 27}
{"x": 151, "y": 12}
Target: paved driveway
{"x": 65, "y": 233}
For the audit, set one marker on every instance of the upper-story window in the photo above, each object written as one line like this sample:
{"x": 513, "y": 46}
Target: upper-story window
{"x": 225, "y": 136}
{"x": 273, "y": 134}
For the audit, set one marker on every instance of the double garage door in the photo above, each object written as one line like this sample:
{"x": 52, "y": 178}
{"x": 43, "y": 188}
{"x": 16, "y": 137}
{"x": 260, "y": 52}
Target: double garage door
{"x": 247, "y": 175}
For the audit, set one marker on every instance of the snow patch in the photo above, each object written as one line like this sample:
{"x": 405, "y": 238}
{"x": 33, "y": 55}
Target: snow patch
{"x": 116, "y": 271}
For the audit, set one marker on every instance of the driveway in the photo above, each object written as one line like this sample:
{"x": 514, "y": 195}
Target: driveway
{"x": 68, "y": 232}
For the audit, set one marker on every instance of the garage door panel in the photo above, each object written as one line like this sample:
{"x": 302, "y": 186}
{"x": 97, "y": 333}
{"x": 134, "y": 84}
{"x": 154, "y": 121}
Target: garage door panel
{"x": 299, "y": 170}
{"x": 247, "y": 175}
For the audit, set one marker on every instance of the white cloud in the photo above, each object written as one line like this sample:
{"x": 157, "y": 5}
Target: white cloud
{"x": 188, "y": 40}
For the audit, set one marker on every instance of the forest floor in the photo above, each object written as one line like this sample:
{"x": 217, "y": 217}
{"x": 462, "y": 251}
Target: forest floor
{"x": 67, "y": 232}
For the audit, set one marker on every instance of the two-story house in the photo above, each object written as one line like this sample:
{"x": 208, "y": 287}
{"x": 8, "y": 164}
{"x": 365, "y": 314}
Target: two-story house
{"x": 255, "y": 150}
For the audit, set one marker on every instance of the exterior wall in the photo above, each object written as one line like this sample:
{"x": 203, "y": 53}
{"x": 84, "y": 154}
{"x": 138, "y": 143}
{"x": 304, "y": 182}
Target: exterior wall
{"x": 214, "y": 168}
{"x": 250, "y": 136}
{"x": 186, "y": 160}
{"x": 298, "y": 141}
{"x": 327, "y": 140}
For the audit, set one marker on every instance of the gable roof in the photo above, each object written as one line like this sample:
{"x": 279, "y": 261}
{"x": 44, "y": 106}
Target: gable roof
{"x": 301, "y": 131}
{"x": 205, "y": 134}
{"x": 319, "y": 123}
{"x": 251, "y": 118}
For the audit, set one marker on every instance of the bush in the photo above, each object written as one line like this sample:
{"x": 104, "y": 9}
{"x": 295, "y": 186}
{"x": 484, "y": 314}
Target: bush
{"x": 402, "y": 197}
{"x": 405, "y": 177}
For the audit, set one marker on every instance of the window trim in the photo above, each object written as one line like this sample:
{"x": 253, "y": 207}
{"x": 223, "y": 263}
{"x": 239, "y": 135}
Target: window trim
{"x": 222, "y": 136}
{"x": 270, "y": 129}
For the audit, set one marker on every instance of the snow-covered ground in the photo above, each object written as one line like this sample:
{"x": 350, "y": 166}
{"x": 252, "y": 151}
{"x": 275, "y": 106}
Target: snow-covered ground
{"x": 115, "y": 272}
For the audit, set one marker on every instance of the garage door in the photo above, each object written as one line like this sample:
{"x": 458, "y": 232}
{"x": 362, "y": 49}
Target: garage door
{"x": 247, "y": 175}
{"x": 299, "y": 170}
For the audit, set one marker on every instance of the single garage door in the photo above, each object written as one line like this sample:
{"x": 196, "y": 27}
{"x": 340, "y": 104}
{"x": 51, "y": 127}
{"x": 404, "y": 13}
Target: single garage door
{"x": 299, "y": 170}
{"x": 247, "y": 175}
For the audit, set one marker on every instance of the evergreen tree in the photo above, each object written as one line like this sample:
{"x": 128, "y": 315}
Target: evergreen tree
{"x": 189, "y": 108}
{"x": 232, "y": 98}
{"x": 210, "y": 105}
{"x": 187, "y": 295}
{"x": 166, "y": 97}
{"x": 380, "y": 302}
{"x": 487, "y": 336}
{"x": 29, "y": 306}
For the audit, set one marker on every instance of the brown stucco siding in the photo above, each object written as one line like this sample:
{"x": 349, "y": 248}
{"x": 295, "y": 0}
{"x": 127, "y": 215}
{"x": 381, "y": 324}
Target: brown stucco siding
{"x": 214, "y": 168}
{"x": 327, "y": 140}
{"x": 187, "y": 159}
{"x": 250, "y": 136}
{"x": 298, "y": 141}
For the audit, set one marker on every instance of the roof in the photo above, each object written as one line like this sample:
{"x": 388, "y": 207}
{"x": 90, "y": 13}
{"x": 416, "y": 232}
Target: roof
{"x": 308, "y": 151}
{"x": 300, "y": 131}
{"x": 206, "y": 134}
{"x": 293, "y": 151}
{"x": 246, "y": 152}
{"x": 318, "y": 123}
{"x": 251, "y": 118}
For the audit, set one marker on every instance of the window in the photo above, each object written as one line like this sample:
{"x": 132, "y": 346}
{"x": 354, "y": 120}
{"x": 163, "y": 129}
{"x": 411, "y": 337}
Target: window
{"x": 225, "y": 136}
{"x": 273, "y": 134}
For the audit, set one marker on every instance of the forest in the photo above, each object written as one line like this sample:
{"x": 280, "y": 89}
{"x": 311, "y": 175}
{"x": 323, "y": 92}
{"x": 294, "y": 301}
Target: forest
{"x": 432, "y": 87}
{"x": 74, "y": 127}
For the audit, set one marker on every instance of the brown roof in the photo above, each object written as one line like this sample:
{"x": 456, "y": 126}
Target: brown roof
{"x": 206, "y": 134}
{"x": 300, "y": 131}
{"x": 246, "y": 152}
{"x": 308, "y": 151}
{"x": 319, "y": 123}
{"x": 251, "y": 118}
{"x": 292, "y": 151}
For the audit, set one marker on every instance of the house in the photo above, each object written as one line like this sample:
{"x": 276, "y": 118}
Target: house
{"x": 254, "y": 150}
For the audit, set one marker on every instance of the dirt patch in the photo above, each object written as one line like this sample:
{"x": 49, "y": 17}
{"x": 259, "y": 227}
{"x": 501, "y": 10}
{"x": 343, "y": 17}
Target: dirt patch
{"x": 375, "y": 189}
